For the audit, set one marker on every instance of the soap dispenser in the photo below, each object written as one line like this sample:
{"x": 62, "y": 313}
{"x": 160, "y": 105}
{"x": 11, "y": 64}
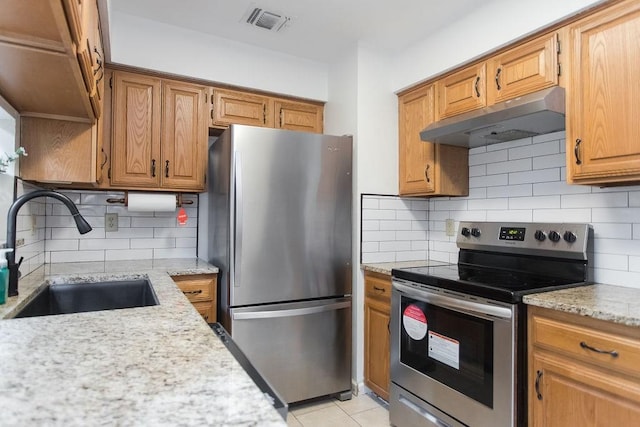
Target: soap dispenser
{"x": 4, "y": 275}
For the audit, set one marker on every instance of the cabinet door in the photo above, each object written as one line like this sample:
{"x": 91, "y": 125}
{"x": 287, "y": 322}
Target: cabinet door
{"x": 525, "y": 69}
{"x": 565, "y": 393}
{"x": 298, "y": 116}
{"x": 462, "y": 91}
{"x": 416, "y": 157}
{"x": 231, "y": 107}
{"x": 135, "y": 153}
{"x": 184, "y": 135}
{"x": 603, "y": 95}
{"x": 90, "y": 56}
{"x": 376, "y": 346}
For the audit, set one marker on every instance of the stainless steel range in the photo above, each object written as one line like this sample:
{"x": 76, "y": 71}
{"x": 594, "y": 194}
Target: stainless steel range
{"x": 458, "y": 331}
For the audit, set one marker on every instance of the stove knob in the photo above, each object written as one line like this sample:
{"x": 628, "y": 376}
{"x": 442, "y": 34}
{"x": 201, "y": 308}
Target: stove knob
{"x": 465, "y": 232}
{"x": 475, "y": 232}
{"x": 540, "y": 236}
{"x": 569, "y": 237}
{"x": 554, "y": 236}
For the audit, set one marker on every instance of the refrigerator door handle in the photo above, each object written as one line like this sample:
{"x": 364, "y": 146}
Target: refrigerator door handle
{"x": 238, "y": 219}
{"x": 290, "y": 312}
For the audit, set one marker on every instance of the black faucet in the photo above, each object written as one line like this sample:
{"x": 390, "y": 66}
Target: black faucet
{"x": 81, "y": 223}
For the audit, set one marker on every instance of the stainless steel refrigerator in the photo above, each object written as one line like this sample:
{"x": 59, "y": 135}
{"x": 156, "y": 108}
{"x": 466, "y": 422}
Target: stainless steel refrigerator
{"x": 280, "y": 225}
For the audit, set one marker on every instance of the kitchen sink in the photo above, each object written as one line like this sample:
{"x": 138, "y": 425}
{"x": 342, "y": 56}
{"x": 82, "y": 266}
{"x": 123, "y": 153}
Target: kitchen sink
{"x": 66, "y": 298}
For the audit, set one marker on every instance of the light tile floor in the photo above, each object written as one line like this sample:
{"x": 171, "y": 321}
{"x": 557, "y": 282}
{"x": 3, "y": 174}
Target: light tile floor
{"x": 361, "y": 410}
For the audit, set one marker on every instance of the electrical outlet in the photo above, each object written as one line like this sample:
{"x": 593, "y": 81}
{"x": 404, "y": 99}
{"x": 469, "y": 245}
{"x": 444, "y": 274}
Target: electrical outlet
{"x": 450, "y": 227}
{"x": 19, "y": 242}
{"x": 111, "y": 222}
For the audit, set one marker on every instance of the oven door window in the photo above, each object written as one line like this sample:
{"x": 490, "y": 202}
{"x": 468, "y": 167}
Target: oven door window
{"x": 452, "y": 348}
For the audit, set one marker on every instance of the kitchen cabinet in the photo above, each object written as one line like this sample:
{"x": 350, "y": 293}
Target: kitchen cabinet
{"x": 582, "y": 371}
{"x": 41, "y": 73}
{"x": 159, "y": 132}
{"x": 523, "y": 69}
{"x": 603, "y": 97}
{"x": 377, "y": 315}
{"x": 298, "y": 116}
{"x": 426, "y": 168}
{"x": 201, "y": 290}
{"x": 247, "y": 108}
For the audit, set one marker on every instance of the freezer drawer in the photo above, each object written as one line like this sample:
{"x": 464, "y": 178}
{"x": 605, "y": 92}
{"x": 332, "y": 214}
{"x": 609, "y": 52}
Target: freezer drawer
{"x": 303, "y": 349}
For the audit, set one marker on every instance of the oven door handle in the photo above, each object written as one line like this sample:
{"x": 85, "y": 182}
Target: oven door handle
{"x": 470, "y": 307}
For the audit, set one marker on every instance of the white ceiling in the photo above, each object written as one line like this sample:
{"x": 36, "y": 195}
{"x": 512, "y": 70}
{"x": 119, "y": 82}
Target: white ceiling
{"x": 319, "y": 30}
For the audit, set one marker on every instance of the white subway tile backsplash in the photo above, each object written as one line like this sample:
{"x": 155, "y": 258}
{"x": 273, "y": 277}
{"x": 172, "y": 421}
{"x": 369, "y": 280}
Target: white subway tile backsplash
{"x": 175, "y": 232}
{"x": 488, "y": 181}
{"x": 76, "y": 256}
{"x": 523, "y": 215}
{"x": 595, "y": 200}
{"x": 562, "y": 215}
{"x": 611, "y": 262}
{"x": 153, "y": 222}
{"x": 378, "y": 236}
{"x": 488, "y": 204}
{"x": 375, "y": 257}
{"x": 94, "y": 244}
{"x": 550, "y": 161}
{"x": 543, "y": 175}
{"x": 378, "y": 214}
{"x": 62, "y": 245}
{"x": 395, "y": 246}
{"x": 120, "y": 255}
{"x": 512, "y": 166}
{"x": 549, "y": 188}
{"x": 612, "y": 231}
{"x": 155, "y": 243}
{"x": 395, "y": 204}
{"x": 489, "y": 157}
{"x": 174, "y": 253}
{"x": 451, "y": 205}
{"x": 412, "y": 235}
{"x": 370, "y": 225}
{"x": 370, "y": 247}
{"x": 615, "y": 215}
{"x": 537, "y": 202}
{"x": 370, "y": 203}
{"x": 412, "y": 215}
{"x": 478, "y": 170}
{"x": 395, "y": 225}
{"x": 411, "y": 256}
{"x": 420, "y": 205}
{"x": 509, "y": 144}
{"x": 510, "y": 191}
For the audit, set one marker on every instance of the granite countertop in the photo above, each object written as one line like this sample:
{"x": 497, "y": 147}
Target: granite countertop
{"x": 605, "y": 302}
{"x": 158, "y": 365}
{"x": 386, "y": 267}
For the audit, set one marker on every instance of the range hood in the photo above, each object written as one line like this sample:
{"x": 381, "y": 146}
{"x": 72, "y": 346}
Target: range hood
{"x": 529, "y": 115}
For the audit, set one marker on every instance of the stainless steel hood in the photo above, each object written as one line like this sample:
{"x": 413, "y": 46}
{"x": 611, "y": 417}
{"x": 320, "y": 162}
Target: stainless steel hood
{"x": 529, "y": 115}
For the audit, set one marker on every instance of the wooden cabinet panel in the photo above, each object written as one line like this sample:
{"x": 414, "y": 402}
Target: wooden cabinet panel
{"x": 377, "y": 309}
{"x": 136, "y": 130}
{"x": 233, "y": 107}
{"x": 201, "y": 290}
{"x": 603, "y": 97}
{"x": 573, "y": 384}
{"x": 426, "y": 168}
{"x": 524, "y": 69}
{"x": 59, "y": 151}
{"x": 462, "y": 91}
{"x": 184, "y": 135}
{"x": 298, "y": 116}
{"x": 31, "y": 20}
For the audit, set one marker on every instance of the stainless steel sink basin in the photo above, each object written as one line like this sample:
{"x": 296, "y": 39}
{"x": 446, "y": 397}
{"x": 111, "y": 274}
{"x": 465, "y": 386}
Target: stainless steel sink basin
{"x": 89, "y": 296}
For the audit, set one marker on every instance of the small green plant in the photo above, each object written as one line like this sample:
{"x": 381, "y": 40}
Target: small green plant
{"x": 8, "y": 158}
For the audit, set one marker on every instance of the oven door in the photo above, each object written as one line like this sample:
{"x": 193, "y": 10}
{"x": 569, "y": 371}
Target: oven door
{"x": 455, "y": 352}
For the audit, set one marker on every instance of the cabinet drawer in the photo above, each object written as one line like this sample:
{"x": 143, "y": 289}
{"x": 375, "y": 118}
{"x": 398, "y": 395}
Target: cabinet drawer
{"x": 206, "y": 310}
{"x": 198, "y": 287}
{"x": 377, "y": 286}
{"x": 601, "y": 347}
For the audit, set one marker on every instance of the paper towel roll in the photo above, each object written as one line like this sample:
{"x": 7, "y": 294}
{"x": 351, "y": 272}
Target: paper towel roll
{"x": 152, "y": 202}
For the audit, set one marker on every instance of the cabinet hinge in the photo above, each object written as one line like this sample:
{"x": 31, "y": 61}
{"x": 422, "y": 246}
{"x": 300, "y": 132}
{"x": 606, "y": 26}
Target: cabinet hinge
{"x": 559, "y": 70}
{"x": 205, "y": 178}
{"x": 111, "y": 82}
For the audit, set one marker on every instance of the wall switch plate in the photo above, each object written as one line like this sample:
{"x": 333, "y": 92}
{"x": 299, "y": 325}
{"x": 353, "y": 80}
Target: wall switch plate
{"x": 111, "y": 222}
{"x": 450, "y": 227}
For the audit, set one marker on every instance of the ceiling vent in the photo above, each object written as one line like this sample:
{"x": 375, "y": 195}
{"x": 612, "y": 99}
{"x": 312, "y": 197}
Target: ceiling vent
{"x": 268, "y": 20}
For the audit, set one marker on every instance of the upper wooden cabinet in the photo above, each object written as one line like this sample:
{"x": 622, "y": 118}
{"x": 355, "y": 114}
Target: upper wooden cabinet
{"x": 247, "y": 108}
{"x": 299, "y": 116}
{"x": 159, "y": 133}
{"x": 426, "y": 168}
{"x": 603, "y": 97}
{"x": 582, "y": 371}
{"x": 524, "y": 69}
{"x": 41, "y": 74}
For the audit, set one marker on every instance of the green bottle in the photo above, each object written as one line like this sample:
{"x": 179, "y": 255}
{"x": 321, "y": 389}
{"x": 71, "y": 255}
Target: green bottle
{"x": 4, "y": 275}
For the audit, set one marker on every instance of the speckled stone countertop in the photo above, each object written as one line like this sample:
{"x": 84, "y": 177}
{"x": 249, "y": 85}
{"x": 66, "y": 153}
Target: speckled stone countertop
{"x": 158, "y": 365}
{"x": 605, "y": 302}
{"x": 386, "y": 267}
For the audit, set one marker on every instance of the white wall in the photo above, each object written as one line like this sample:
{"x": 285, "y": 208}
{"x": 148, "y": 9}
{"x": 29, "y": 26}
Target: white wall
{"x": 493, "y": 25}
{"x": 154, "y": 45}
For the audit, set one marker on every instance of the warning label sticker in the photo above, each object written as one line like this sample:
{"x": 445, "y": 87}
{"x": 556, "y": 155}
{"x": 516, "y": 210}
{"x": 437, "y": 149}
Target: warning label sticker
{"x": 414, "y": 322}
{"x": 444, "y": 349}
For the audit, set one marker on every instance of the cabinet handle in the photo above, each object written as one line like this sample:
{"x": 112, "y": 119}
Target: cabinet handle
{"x": 166, "y": 169}
{"x": 212, "y": 114}
{"x": 99, "y": 60}
{"x": 498, "y": 78}
{"x": 612, "y": 353}
{"x": 153, "y": 168}
{"x": 199, "y": 291}
{"x": 280, "y": 117}
{"x": 426, "y": 173}
{"x": 576, "y": 151}
{"x": 264, "y": 114}
{"x": 476, "y": 87}
{"x": 375, "y": 288}
{"x": 105, "y": 158}
{"x": 538, "y": 377}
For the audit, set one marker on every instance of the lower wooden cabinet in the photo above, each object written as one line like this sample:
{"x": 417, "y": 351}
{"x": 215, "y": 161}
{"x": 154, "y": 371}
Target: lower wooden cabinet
{"x": 201, "y": 290}
{"x": 377, "y": 316}
{"x": 582, "y": 371}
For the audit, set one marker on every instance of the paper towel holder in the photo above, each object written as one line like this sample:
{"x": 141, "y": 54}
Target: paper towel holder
{"x": 125, "y": 200}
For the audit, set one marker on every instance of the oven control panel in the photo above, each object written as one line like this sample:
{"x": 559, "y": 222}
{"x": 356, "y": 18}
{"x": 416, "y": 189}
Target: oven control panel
{"x": 547, "y": 239}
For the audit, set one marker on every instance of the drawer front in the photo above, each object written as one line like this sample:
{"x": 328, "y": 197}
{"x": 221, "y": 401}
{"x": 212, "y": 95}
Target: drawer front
{"x": 197, "y": 287}
{"x": 206, "y": 311}
{"x": 377, "y": 286}
{"x": 609, "y": 350}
